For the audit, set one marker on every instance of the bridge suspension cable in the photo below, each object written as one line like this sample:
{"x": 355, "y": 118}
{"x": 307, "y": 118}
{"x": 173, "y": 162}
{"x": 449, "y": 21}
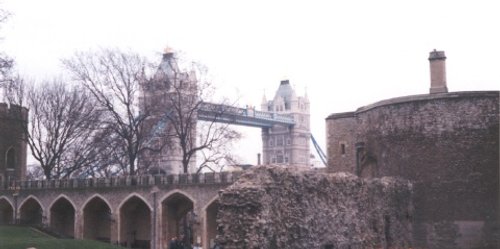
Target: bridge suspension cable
{"x": 321, "y": 154}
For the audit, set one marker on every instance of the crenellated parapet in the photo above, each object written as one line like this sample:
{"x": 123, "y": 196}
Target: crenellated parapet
{"x": 13, "y": 112}
{"x": 125, "y": 181}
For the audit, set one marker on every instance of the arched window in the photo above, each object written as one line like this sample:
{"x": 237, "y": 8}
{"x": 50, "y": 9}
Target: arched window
{"x": 11, "y": 158}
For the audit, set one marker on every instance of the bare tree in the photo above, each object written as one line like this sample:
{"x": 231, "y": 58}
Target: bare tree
{"x": 34, "y": 172}
{"x": 62, "y": 128}
{"x": 219, "y": 155}
{"x": 185, "y": 95}
{"x": 113, "y": 77}
{"x": 6, "y": 63}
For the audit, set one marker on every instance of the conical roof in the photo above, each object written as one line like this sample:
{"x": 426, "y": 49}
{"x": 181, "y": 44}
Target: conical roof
{"x": 168, "y": 65}
{"x": 286, "y": 92}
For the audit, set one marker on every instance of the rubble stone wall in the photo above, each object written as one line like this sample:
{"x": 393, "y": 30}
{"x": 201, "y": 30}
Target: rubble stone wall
{"x": 274, "y": 207}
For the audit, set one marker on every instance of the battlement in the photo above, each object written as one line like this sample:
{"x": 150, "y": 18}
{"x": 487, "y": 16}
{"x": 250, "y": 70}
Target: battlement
{"x": 13, "y": 112}
{"x": 125, "y": 181}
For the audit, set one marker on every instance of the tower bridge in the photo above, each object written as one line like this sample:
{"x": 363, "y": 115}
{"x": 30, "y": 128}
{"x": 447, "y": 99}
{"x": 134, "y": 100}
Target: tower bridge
{"x": 284, "y": 120}
{"x": 146, "y": 211}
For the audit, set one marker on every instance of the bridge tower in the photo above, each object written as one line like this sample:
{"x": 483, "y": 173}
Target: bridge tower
{"x": 285, "y": 144}
{"x": 159, "y": 98}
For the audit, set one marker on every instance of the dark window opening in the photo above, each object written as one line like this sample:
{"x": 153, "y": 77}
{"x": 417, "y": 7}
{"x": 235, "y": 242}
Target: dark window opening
{"x": 279, "y": 141}
{"x": 11, "y": 159}
{"x": 342, "y": 149}
{"x": 279, "y": 159}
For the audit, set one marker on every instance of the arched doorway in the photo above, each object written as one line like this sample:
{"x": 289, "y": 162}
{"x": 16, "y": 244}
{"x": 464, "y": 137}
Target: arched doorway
{"x": 62, "y": 217}
{"x": 135, "y": 223}
{"x": 178, "y": 218}
{"x": 6, "y": 212}
{"x": 97, "y": 220}
{"x": 31, "y": 212}
{"x": 211, "y": 223}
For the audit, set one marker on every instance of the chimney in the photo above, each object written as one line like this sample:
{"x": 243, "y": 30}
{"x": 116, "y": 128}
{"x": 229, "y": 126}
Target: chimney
{"x": 437, "y": 61}
{"x": 258, "y": 158}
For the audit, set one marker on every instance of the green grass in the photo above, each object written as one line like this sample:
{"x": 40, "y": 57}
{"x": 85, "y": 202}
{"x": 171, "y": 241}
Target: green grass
{"x": 17, "y": 237}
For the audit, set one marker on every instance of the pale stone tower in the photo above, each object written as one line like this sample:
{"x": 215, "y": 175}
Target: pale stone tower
{"x": 437, "y": 61}
{"x": 287, "y": 145}
{"x": 157, "y": 97}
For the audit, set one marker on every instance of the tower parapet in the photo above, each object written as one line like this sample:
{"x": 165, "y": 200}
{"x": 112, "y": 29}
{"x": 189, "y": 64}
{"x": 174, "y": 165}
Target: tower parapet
{"x": 15, "y": 112}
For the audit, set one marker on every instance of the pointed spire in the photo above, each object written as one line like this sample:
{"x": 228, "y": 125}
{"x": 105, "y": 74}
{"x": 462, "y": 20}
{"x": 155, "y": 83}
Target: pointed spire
{"x": 264, "y": 103}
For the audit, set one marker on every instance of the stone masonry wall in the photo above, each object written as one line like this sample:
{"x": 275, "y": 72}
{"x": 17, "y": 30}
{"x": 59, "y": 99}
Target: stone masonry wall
{"x": 273, "y": 207}
{"x": 12, "y": 119}
{"x": 341, "y": 149}
{"x": 201, "y": 190}
{"x": 448, "y": 146}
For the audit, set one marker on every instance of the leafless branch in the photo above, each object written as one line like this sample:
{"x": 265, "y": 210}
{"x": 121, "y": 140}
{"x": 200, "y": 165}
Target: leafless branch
{"x": 114, "y": 77}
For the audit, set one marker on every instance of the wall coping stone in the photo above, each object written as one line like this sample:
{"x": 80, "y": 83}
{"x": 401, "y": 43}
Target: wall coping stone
{"x": 415, "y": 98}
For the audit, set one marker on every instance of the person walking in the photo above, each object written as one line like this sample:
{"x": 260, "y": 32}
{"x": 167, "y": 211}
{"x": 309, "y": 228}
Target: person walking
{"x": 174, "y": 243}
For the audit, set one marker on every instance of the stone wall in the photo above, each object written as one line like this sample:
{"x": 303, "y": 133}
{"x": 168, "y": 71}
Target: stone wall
{"x": 447, "y": 145}
{"x": 274, "y": 207}
{"x": 340, "y": 132}
{"x": 12, "y": 119}
{"x": 148, "y": 197}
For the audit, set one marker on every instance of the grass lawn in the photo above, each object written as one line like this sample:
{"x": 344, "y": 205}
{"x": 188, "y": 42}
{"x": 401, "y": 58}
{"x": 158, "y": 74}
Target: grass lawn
{"x": 16, "y": 237}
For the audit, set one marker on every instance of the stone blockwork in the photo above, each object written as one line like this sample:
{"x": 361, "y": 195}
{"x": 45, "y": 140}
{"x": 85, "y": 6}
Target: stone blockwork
{"x": 447, "y": 144}
{"x": 275, "y": 207}
{"x": 12, "y": 142}
{"x": 141, "y": 211}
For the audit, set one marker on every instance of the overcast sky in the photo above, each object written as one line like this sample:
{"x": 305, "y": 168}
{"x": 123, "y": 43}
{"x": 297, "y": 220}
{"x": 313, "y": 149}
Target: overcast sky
{"x": 346, "y": 54}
